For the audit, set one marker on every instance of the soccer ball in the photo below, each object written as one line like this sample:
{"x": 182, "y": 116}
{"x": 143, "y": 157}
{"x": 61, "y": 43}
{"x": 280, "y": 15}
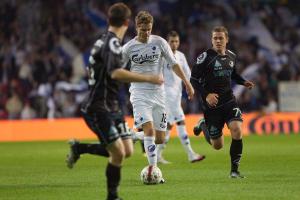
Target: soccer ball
{"x": 151, "y": 175}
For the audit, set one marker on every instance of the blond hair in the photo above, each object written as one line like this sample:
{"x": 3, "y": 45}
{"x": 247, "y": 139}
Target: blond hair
{"x": 143, "y": 17}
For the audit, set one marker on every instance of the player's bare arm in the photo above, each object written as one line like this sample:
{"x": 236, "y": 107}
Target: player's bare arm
{"x": 188, "y": 86}
{"x": 127, "y": 76}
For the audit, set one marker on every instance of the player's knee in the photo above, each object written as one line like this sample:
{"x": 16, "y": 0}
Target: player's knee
{"x": 159, "y": 140}
{"x": 129, "y": 152}
{"x": 236, "y": 132}
{"x": 117, "y": 157}
{"x": 217, "y": 144}
{"x": 149, "y": 132}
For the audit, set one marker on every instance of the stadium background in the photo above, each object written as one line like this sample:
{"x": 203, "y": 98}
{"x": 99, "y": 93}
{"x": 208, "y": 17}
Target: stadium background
{"x": 44, "y": 46}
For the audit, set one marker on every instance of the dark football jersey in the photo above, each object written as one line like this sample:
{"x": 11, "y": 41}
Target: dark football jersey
{"x": 106, "y": 56}
{"x": 212, "y": 73}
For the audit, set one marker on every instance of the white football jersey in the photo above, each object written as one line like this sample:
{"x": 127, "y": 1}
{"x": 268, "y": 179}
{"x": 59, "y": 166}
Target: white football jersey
{"x": 173, "y": 84}
{"x": 147, "y": 58}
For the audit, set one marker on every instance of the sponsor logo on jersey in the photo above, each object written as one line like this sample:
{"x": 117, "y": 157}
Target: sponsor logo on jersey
{"x": 140, "y": 59}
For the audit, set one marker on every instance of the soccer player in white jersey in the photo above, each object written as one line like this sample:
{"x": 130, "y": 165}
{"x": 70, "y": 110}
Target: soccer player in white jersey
{"x": 173, "y": 90}
{"x": 145, "y": 53}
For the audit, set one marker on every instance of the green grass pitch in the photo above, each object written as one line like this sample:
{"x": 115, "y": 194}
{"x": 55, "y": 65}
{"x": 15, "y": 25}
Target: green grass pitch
{"x": 37, "y": 171}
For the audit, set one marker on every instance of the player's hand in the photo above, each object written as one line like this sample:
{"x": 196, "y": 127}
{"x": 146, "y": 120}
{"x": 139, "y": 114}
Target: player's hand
{"x": 189, "y": 90}
{"x": 212, "y": 99}
{"x": 249, "y": 84}
{"x": 156, "y": 79}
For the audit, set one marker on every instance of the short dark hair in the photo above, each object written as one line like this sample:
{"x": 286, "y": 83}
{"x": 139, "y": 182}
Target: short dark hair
{"x": 118, "y": 13}
{"x": 172, "y": 34}
{"x": 220, "y": 29}
{"x": 143, "y": 17}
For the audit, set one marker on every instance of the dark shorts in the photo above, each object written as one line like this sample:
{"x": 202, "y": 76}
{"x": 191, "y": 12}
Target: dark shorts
{"x": 107, "y": 126}
{"x": 215, "y": 119}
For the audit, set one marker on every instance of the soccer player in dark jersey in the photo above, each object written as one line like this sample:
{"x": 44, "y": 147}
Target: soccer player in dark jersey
{"x": 211, "y": 76}
{"x": 101, "y": 110}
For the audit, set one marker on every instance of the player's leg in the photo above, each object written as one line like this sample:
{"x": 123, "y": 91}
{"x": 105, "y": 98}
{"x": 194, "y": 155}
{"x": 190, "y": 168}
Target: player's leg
{"x": 169, "y": 105}
{"x": 234, "y": 124}
{"x": 113, "y": 168}
{"x": 102, "y": 124}
{"x": 149, "y": 143}
{"x": 139, "y": 136}
{"x": 110, "y": 135}
{"x": 142, "y": 112}
{"x": 119, "y": 149}
{"x": 77, "y": 148}
{"x": 236, "y": 147}
{"x": 201, "y": 126}
{"x": 124, "y": 132}
{"x": 128, "y": 147}
{"x": 214, "y": 123}
{"x": 161, "y": 147}
{"x": 185, "y": 141}
{"x": 159, "y": 123}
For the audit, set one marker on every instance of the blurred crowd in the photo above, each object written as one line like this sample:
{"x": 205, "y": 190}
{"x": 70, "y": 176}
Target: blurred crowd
{"x": 44, "y": 46}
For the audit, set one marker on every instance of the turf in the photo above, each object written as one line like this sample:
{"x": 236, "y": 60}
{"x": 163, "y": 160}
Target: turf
{"x": 36, "y": 171}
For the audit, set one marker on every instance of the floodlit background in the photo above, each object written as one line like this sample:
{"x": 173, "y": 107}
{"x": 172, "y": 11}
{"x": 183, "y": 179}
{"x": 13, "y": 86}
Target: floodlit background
{"x": 44, "y": 48}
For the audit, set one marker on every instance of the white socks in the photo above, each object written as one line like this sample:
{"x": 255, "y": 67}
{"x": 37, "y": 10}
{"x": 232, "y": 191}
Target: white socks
{"x": 151, "y": 150}
{"x": 184, "y": 139}
{"x": 139, "y": 135}
{"x": 161, "y": 147}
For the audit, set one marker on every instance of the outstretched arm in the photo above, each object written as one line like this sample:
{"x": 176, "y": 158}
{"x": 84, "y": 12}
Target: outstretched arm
{"x": 128, "y": 76}
{"x": 189, "y": 88}
{"x": 241, "y": 81}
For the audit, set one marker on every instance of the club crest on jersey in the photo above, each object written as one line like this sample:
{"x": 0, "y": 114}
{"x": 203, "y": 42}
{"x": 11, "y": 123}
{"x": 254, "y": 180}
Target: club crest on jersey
{"x": 201, "y": 58}
{"x": 231, "y": 63}
{"x": 115, "y": 46}
{"x": 217, "y": 64}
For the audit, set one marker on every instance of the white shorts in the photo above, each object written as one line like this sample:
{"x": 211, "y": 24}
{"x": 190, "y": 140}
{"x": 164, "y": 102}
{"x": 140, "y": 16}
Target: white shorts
{"x": 174, "y": 109}
{"x": 149, "y": 106}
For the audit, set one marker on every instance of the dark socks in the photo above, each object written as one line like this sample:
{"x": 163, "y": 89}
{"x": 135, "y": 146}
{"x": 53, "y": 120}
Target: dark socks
{"x": 113, "y": 177}
{"x": 236, "y": 150}
{"x": 96, "y": 149}
{"x": 142, "y": 146}
{"x": 206, "y": 133}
